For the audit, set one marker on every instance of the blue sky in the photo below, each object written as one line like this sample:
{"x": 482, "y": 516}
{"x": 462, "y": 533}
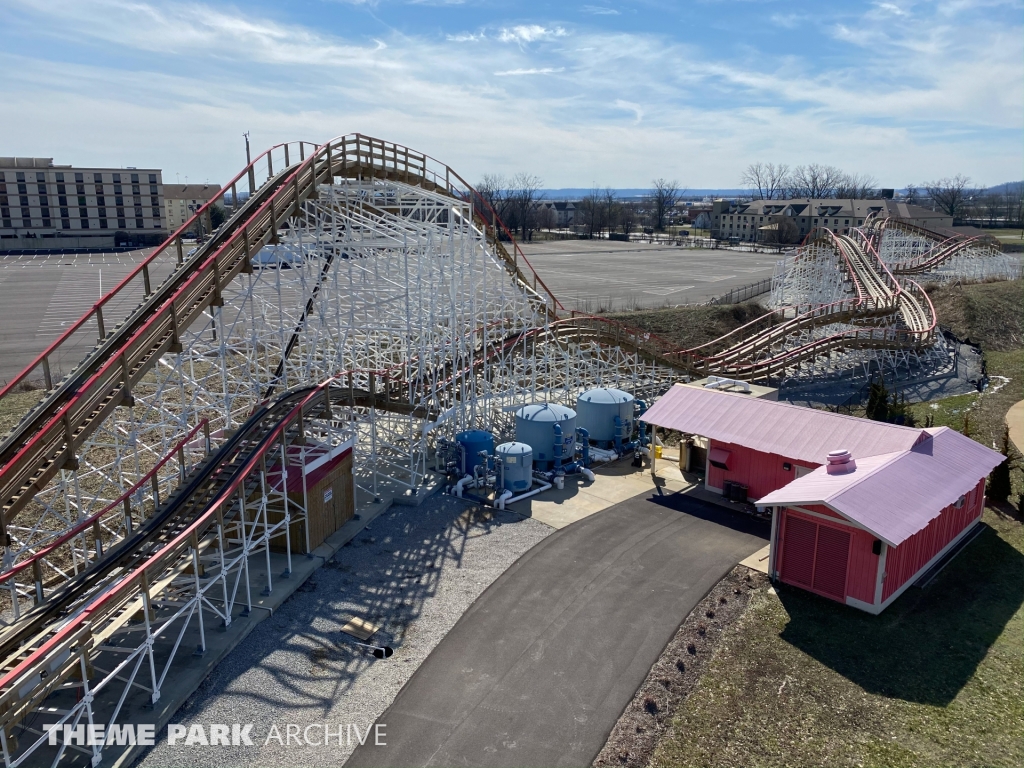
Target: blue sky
{"x": 605, "y": 92}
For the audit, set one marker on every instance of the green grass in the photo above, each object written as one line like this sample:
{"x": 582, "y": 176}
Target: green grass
{"x": 933, "y": 681}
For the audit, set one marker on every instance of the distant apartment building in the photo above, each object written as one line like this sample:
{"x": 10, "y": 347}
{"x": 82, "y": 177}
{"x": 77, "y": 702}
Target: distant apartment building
{"x": 757, "y": 220}
{"x": 181, "y": 201}
{"x": 43, "y": 205}
{"x": 562, "y": 212}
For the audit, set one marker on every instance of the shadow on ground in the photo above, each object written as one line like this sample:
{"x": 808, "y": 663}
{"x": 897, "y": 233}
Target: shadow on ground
{"x": 714, "y": 513}
{"x": 927, "y": 645}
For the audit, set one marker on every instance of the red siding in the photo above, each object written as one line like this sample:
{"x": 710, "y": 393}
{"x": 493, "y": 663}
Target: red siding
{"x": 902, "y": 563}
{"x": 832, "y": 559}
{"x": 762, "y": 473}
{"x": 863, "y": 567}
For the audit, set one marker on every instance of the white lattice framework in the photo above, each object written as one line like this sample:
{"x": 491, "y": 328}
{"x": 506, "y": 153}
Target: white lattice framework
{"x": 388, "y": 281}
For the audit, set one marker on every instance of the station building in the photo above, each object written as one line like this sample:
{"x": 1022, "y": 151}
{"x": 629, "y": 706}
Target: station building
{"x": 49, "y": 206}
{"x": 860, "y": 509}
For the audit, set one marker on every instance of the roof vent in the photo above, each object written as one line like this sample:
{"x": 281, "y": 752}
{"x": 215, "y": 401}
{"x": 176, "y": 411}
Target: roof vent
{"x": 840, "y": 462}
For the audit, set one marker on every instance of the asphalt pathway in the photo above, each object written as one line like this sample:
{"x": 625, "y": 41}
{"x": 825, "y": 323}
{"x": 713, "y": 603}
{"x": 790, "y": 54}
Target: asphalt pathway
{"x": 539, "y": 669}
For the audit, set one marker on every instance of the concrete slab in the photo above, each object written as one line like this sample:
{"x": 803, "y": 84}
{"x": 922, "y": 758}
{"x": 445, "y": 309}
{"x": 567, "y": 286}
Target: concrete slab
{"x": 759, "y": 560}
{"x": 613, "y": 483}
{"x": 539, "y": 669}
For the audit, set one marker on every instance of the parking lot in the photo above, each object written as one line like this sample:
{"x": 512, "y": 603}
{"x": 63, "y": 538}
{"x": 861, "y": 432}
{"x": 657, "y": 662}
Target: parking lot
{"x": 42, "y": 294}
{"x": 592, "y": 275}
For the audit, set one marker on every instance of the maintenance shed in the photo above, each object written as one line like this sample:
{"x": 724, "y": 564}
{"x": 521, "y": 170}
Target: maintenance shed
{"x": 860, "y": 508}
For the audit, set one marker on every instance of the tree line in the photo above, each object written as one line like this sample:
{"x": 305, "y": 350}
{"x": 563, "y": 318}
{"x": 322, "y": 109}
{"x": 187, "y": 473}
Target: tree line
{"x": 519, "y": 203}
{"x": 955, "y": 196}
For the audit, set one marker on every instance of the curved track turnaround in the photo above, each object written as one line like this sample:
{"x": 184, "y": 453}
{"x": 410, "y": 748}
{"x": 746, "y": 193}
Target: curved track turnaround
{"x": 360, "y": 297}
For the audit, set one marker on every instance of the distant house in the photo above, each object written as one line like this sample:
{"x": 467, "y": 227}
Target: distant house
{"x": 746, "y": 221}
{"x": 563, "y": 211}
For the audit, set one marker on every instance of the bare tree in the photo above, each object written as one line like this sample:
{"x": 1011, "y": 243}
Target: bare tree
{"x": 859, "y": 186}
{"x": 912, "y": 194}
{"x": 767, "y": 181}
{"x": 588, "y": 212}
{"x": 629, "y": 217}
{"x": 950, "y": 195}
{"x": 524, "y": 194}
{"x": 612, "y": 209}
{"x": 546, "y": 218}
{"x": 815, "y": 180}
{"x": 494, "y": 189}
{"x": 662, "y": 198}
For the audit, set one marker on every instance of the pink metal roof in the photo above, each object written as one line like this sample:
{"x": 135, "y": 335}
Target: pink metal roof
{"x": 788, "y": 430}
{"x": 894, "y": 495}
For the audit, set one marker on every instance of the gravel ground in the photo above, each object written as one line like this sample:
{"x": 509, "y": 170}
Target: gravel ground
{"x": 414, "y": 571}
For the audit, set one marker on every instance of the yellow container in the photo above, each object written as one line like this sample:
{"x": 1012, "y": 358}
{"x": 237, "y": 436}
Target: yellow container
{"x": 657, "y": 451}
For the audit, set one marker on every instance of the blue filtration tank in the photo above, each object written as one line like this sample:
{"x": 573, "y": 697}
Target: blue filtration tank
{"x": 473, "y": 441}
{"x": 516, "y": 462}
{"x": 597, "y": 409}
{"x": 535, "y": 426}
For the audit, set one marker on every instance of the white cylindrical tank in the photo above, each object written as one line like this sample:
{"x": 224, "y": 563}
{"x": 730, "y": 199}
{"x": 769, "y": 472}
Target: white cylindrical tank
{"x": 535, "y": 426}
{"x": 597, "y": 409}
{"x": 516, "y": 466}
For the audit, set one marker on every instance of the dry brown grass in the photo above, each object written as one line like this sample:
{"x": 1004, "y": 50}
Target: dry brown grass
{"x": 692, "y": 326}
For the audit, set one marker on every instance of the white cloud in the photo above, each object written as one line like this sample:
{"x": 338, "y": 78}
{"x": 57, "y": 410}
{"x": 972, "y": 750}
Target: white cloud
{"x": 529, "y": 33}
{"x": 623, "y": 108}
{"x": 466, "y": 37}
{"x": 599, "y": 10}
{"x": 532, "y": 71}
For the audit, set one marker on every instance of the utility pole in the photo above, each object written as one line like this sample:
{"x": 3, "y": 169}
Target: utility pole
{"x": 248, "y": 159}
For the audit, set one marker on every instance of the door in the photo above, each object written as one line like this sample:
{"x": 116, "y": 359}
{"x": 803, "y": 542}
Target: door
{"x": 815, "y": 556}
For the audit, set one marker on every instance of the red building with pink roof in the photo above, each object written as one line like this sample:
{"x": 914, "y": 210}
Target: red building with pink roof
{"x": 860, "y": 508}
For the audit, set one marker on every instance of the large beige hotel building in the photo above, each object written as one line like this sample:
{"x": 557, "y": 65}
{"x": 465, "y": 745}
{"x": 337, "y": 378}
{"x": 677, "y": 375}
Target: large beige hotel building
{"x": 43, "y": 205}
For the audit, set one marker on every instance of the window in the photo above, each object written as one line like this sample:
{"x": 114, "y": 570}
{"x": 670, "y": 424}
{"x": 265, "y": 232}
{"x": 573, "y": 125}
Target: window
{"x": 65, "y": 223}
{"x": 156, "y": 212}
{"x": 135, "y": 189}
{"x": 64, "y": 215}
{"x": 61, "y": 199}
{"x": 117, "y": 199}
{"x": 40, "y": 177}
{"x": 135, "y": 178}
{"x": 85, "y": 223}
{"x": 22, "y": 189}
{"x": 846, "y": 222}
{"x": 100, "y": 200}
{"x": 98, "y": 178}
{"x": 103, "y": 223}
{"x": 42, "y": 189}
{"x": 80, "y": 189}
{"x": 60, "y": 177}
{"x": 81, "y": 199}
{"x": 102, "y": 212}
{"x": 19, "y": 176}
{"x": 46, "y": 218}
{"x": 61, "y": 189}
{"x": 815, "y": 221}
{"x": 83, "y": 212}
{"x": 140, "y": 224}
{"x": 99, "y": 189}
{"x": 23, "y": 199}
{"x": 117, "y": 178}
{"x": 122, "y": 224}
{"x": 154, "y": 201}
{"x": 152, "y": 189}
{"x": 79, "y": 178}
{"x": 152, "y": 178}
{"x": 44, "y": 200}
